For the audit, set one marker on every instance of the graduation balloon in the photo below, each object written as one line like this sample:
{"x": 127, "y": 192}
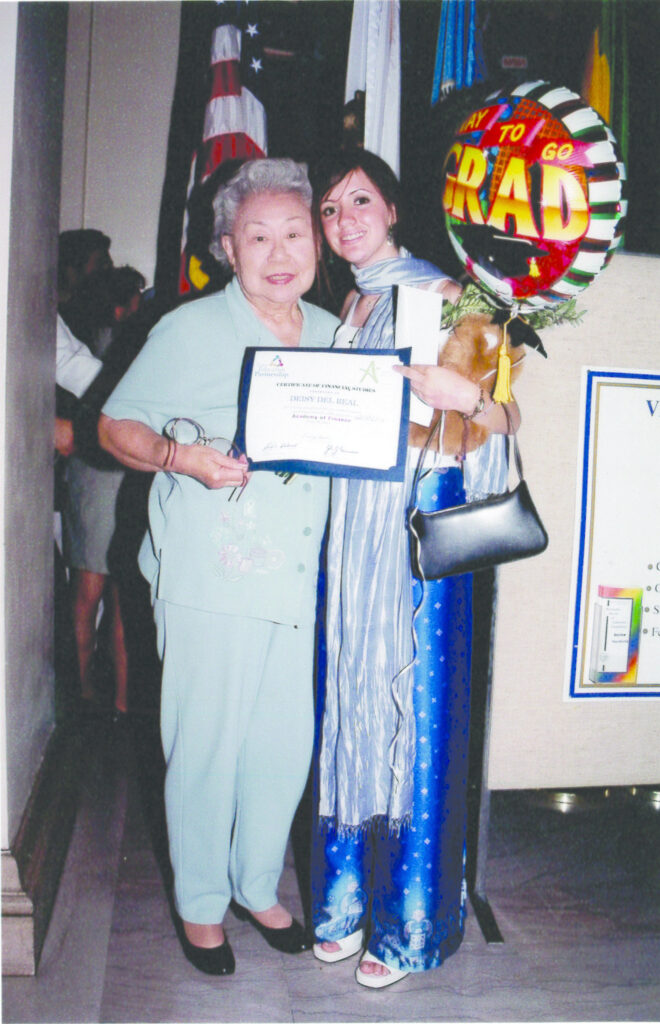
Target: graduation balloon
{"x": 534, "y": 195}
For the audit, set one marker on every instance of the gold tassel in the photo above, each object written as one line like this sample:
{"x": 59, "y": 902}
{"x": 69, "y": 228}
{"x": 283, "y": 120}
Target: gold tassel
{"x": 502, "y": 390}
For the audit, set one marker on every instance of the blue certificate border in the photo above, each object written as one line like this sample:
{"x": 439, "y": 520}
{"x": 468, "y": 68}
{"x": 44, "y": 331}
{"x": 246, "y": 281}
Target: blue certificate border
{"x": 593, "y": 376}
{"x": 396, "y": 472}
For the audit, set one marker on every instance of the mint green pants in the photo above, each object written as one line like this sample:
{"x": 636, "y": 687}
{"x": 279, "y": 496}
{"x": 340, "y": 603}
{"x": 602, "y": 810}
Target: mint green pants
{"x": 237, "y": 729}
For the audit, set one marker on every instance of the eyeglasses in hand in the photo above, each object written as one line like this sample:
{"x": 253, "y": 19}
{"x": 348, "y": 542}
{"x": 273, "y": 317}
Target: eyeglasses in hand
{"x": 189, "y": 432}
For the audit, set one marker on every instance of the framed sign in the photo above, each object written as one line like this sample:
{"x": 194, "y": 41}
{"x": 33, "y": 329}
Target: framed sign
{"x": 614, "y": 648}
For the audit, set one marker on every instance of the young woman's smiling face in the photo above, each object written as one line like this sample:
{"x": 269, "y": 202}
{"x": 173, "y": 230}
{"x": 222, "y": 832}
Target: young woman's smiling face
{"x": 356, "y": 220}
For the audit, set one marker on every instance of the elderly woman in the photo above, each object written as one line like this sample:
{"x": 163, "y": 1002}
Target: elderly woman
{"x": 233, "y": 581}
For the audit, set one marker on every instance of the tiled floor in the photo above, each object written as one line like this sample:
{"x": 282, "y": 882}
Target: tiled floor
{"x": 576, "y": 896}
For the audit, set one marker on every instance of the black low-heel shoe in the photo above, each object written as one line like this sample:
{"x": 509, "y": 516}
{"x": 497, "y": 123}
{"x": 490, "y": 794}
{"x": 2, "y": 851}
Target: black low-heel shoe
{"x": 293, "y": 939}
{"x": 216, "y": 960}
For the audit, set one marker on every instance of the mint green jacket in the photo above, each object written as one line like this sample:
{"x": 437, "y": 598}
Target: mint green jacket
{"x": 256, "y": 557}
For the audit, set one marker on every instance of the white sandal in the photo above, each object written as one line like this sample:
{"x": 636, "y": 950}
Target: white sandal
{"x": 348, "y": 946}
{"x": 377, "y": 980}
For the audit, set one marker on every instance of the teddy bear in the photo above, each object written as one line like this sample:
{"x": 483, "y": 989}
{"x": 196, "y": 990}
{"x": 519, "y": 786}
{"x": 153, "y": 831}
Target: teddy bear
{"x": 471, "y": 349}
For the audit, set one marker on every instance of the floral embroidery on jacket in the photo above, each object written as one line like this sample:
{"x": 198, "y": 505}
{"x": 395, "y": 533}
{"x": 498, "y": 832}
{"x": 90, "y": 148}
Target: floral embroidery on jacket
{"x": 241, "y": 551}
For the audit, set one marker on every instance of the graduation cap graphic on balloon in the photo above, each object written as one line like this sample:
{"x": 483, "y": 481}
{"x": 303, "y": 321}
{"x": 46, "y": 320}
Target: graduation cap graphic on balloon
{"x": 504, "y": 255}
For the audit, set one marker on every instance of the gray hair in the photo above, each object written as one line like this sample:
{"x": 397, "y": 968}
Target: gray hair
{"x": 275, "y": 175}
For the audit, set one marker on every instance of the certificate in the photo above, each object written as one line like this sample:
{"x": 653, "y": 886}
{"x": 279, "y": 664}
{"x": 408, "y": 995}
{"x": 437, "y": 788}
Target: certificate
{"x": 419, "y": 327}
{"x": 328, "y": 412}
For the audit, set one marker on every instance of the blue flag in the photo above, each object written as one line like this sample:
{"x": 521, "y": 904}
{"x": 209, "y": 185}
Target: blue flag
{"x": 459, "y": 60}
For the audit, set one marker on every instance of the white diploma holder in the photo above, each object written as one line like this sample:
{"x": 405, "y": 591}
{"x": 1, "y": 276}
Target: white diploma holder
{"x": 418, "y": 319}
{"x": 330, "y": 412}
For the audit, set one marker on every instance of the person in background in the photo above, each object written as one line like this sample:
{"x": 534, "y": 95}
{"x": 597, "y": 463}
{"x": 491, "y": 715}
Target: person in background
{"x": 388, "y": 857}
{"x": 233, "y": 575}
{"x": 75, "y": 370}
{"x": 75, "y": 365}
{"x": 111, "y": 297}
{"x": 81, "y": 254}
{"x": 134, "y": 314}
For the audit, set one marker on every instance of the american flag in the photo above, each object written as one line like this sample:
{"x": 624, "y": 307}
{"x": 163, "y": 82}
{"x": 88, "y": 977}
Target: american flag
{"x": 235, "y": 119}
{"x": 234, "y": 127}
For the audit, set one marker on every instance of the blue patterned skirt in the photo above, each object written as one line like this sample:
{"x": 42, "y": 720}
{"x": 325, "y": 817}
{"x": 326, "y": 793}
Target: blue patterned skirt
{"x": 408, "y": 890}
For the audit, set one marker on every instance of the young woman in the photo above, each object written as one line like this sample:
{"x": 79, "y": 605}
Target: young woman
{"x": 388, "y": 860}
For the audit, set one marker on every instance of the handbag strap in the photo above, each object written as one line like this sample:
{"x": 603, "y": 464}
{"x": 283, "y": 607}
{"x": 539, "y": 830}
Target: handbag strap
{"x": 439, "y": 426}
{"x": 422, "y": 455}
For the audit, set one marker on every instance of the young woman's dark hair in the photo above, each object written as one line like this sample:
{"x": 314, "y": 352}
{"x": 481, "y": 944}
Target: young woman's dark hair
{"x": 327, "y": 173}
{"x": 332, "y": 169}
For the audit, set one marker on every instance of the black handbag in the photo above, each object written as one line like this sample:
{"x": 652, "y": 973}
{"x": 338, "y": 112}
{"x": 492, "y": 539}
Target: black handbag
{"x": 479, "y": 535}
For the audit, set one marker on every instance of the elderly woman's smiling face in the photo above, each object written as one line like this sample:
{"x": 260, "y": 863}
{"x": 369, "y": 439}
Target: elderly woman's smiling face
{"x": 272, "y": 249}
